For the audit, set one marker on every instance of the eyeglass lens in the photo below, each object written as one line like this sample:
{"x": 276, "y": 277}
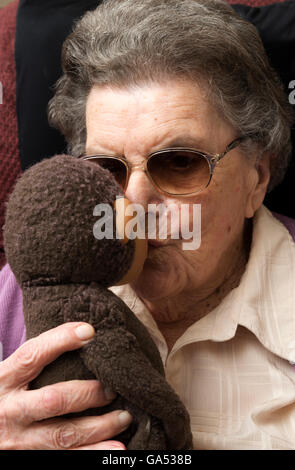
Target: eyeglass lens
{"x": 174, "y": 172}
{"x": 179, "y": 171}
{"x": 115, "y": 166}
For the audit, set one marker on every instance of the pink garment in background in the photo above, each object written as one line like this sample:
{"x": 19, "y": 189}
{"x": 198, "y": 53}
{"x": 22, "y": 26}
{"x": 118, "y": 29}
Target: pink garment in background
{"x": 12, "y": 327}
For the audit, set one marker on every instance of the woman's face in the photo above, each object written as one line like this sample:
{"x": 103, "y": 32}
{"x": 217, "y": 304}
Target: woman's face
{"x": 135, "y": 122}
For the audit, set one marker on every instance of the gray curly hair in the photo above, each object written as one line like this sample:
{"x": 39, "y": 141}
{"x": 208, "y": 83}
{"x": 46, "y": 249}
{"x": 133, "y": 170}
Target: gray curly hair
{"x": 133, "y": 42}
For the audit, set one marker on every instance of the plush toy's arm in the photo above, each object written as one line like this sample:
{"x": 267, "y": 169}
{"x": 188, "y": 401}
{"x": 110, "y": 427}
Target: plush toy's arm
{"x": 116, "y": 358}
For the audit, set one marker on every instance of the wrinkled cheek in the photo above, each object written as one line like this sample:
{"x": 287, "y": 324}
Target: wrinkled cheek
{"x": 221, "y": 220}
{"x": 183, "y": 219}
{"x": 216, "y": 216}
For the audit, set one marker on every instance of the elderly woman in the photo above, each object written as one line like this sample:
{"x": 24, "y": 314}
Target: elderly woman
{"x": 179, "y": 101}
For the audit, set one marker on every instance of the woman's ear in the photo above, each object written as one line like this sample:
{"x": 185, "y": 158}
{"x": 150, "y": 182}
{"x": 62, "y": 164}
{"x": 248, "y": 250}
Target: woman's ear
{"x": 260, "y": 179}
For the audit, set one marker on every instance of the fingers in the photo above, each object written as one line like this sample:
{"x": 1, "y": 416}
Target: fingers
{"x": 61, "y": 398}
{"x": 28, "y": 423}
{"x": 27, "y": 362}
{"x": 59, "y": 434}
{"x": 26, "y": 416}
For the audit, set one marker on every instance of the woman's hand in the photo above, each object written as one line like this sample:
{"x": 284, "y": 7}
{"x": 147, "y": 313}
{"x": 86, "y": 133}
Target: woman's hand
{"x": 28, "y": 417}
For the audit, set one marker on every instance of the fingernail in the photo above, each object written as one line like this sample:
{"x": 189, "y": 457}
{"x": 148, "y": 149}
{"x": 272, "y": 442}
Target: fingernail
{"x": 118, "y": 447}
{"x": 125, "y": 418}
{"x": 113, "y": 445}
{"x": 109, "y": 394}
{"x": 85, "y": 332}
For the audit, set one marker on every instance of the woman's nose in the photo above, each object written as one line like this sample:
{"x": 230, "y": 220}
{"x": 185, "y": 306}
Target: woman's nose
{"x": 139, "y": 189}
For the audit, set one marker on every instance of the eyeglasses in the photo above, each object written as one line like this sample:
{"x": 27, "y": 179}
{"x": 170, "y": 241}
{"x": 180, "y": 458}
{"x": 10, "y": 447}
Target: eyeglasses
{"x": 178, "y": 171}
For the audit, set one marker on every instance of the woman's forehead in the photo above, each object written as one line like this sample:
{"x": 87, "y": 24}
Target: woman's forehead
{"x": 152, "y": 98}
{"x": 165, "y": 114}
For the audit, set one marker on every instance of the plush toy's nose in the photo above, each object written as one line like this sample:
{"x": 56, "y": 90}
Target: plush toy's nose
{"x": 124, "y": 215}
{"x": 128, "y": 216}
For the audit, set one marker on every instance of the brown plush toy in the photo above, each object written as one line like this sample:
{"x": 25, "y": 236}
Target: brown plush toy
{"x": 65, "y": 272}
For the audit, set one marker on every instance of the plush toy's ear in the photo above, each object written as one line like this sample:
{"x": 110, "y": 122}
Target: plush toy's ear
{"x": 123, "y": 216}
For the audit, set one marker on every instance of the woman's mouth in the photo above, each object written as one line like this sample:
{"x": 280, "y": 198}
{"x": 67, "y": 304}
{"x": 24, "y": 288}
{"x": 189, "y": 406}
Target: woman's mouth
{"x": 157, "y": 243}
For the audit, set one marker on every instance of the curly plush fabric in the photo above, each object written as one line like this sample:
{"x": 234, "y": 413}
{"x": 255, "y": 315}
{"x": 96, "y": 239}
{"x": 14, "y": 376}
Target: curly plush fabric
{"x": 64, "y": 272}
{"x": 9, "y": 153}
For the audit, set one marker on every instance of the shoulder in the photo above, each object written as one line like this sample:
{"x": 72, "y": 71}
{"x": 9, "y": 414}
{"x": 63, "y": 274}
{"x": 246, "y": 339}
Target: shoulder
{"x": 265, "y": 298}
{"x": 274, "y": 227}
{"x": 287, "y": 222}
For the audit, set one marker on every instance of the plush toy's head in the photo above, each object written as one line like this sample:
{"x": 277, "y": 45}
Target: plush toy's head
{"x": 48, "y": 233}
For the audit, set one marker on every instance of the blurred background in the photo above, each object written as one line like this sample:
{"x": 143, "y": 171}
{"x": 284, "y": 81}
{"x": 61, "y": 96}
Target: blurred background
{"x": 4, "y": 2}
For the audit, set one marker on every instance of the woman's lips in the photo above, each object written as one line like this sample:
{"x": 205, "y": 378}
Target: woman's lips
{"x": 157, "y": 243}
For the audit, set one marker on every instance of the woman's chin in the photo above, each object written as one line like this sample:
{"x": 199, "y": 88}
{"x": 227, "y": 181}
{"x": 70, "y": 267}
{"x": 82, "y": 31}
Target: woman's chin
{"x": 158, "y": 278}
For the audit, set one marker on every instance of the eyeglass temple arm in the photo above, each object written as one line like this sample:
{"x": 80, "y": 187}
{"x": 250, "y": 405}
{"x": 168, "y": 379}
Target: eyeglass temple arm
{"x": 230, "y": 146}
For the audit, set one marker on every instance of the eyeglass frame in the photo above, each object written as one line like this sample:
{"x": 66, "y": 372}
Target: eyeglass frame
{"x": 212, "y": 161}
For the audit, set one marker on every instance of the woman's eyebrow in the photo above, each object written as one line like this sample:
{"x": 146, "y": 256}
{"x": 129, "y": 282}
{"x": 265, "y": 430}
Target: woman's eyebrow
{"x": 96, "y": 151}
{"x": 91, "y": 151}
{"x": 186, "y": 141}
{"x": 181, "y": 141}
